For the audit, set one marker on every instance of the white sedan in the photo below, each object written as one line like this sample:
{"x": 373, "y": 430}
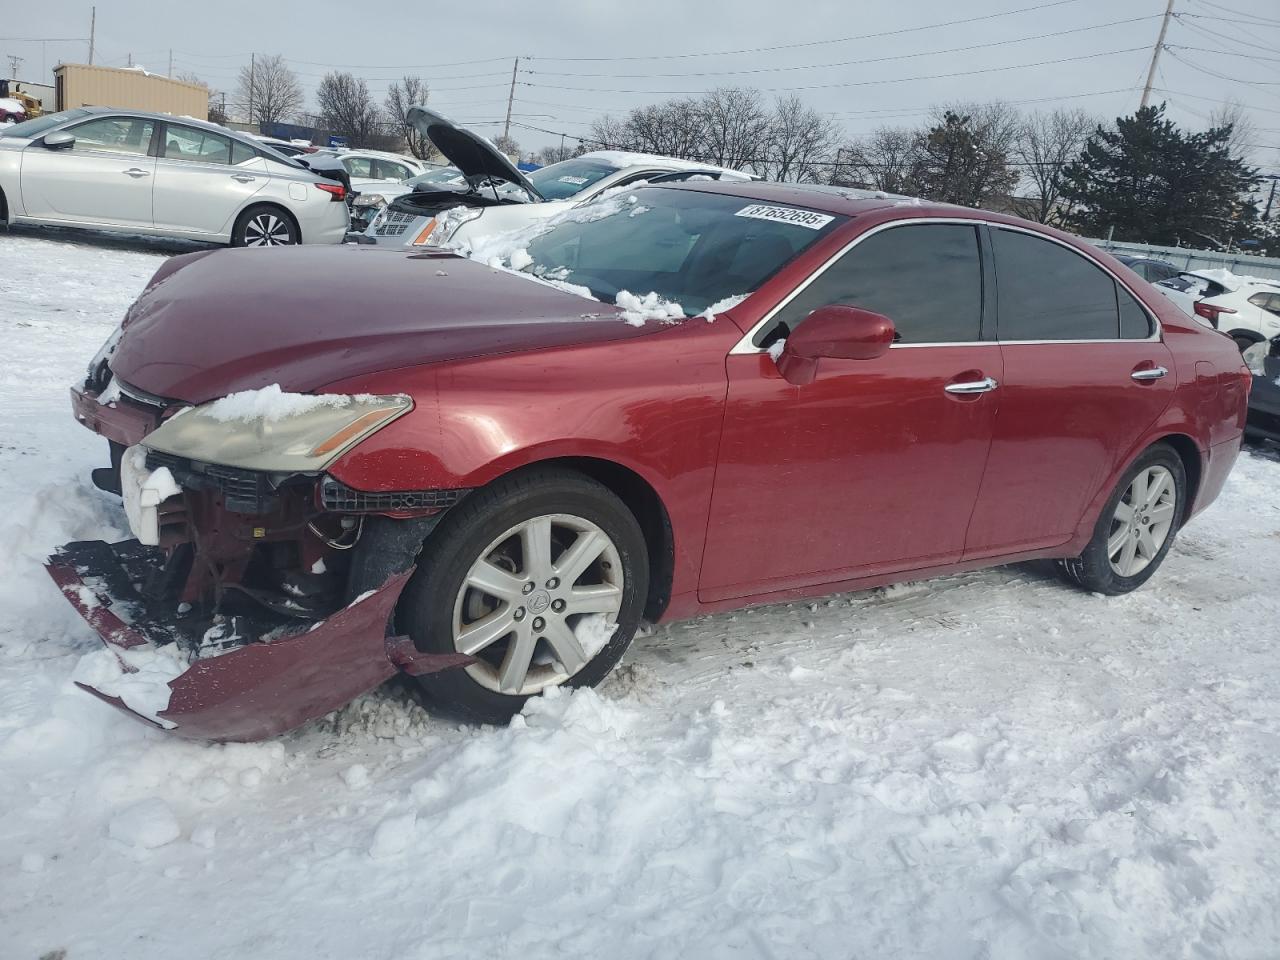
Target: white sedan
{"x": 495, "y": 197}
{"x": 153, "y": 174}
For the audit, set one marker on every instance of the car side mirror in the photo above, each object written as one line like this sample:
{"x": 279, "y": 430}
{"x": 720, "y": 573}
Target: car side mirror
{"x": 835, "y": 331}
{"x": 59, "y": 140}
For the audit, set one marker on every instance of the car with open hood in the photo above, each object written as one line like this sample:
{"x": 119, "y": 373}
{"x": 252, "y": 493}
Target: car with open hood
{"x": 158, "y": 175}
{"x": 494, "y": 196}
{"x": 676, "y": 400}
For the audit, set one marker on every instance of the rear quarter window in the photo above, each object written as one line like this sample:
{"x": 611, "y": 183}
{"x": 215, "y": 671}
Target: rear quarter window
{"x": 1046, "y": 291}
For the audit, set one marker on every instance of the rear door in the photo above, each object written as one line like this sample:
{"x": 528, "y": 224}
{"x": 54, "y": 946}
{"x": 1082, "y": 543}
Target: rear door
{"x": 203, "y": 179}
{"x": 1085, "y": 375}
{"x": 106, "y": 177}
{"x": 874, "y": 466}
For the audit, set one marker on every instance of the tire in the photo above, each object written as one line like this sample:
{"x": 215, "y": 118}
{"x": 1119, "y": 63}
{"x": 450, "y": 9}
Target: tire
{"x": 1102, "y": 570}
{"x": 265, "y": 226}
{"x": 498, "y": 524}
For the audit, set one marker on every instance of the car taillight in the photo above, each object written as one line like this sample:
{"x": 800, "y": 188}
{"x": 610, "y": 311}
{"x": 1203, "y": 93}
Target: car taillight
{"x": 337, "y": 192}
{"x": 1211, "y": 312}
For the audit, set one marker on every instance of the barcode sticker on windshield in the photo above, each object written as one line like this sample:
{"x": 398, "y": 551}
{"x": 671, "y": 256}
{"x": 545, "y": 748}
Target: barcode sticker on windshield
{"x": 792, "y": 215}
{"x": 576, "y": 181}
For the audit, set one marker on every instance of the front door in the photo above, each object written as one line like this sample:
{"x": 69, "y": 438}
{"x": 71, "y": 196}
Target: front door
{"x": 1082, "y": 383}
{"x": 105, "y": 177}
{"x": 874, "y": 466}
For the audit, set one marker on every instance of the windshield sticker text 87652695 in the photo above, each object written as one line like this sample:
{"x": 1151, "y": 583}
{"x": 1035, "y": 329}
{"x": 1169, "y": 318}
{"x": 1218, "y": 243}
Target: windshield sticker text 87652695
{"x": 792, "y": 215}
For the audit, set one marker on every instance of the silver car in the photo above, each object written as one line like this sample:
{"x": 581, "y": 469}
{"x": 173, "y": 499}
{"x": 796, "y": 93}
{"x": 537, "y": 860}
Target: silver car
{"x": 153, "y": 174}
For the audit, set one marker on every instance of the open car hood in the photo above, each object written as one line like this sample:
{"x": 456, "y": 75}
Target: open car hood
{"x": 476, "y": 157}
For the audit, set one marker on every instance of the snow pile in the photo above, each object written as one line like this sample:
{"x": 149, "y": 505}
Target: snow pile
{"x": 639, "y": 310}
{"x": 720, "y": 306}
{"x": 594, "y": 631}
{"x": 147, "y": 824}
{"x": 10, "y": 105}
{"x": 139, "y": 676}
{"x": 143, "y": 492}
{"x": 271, "y": 403}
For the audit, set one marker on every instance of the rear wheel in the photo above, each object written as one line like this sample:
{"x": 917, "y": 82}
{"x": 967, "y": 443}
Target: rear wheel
{"x": 541, "y": 577}
{"x": 1136, "y": 528}
{"x": 265, "y": 226}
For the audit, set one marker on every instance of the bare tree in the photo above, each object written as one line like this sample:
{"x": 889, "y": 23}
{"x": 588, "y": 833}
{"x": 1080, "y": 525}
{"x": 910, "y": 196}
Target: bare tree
{"x": 217, "y": 99}
{"x": 735, "y": 127}
{"x": 555, "y": 154}
{"x": 413, "y": 91}
{"x": 268, "y": 91}
{"x": 346, "y": 108}
{"x": 882, "y": 161}
{"x": 1243, "y": 130}
{"x": 1046, "y": 143}
{"x": 508, "y": 145}
{"x": 799, "y": 140}
{"x": 611, "y": 133}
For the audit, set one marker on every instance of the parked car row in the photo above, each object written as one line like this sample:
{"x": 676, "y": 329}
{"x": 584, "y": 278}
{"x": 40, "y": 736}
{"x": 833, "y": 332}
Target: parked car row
{"x": 1245, "y": 308}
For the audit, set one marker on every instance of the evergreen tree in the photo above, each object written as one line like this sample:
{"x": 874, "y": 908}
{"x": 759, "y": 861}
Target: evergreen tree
{"x": 1153, "y": 183}
{"x": 964, "y": 158}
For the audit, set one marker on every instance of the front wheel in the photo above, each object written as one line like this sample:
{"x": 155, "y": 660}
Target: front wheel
{"x": 1136, "y": 528}
{"x": 541, "y": 577}
{"x": 265, "y": 227}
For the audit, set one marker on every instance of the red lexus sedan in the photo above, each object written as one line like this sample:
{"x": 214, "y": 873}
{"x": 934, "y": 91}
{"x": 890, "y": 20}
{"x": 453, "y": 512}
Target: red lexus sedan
{"x": 343, "y": 464}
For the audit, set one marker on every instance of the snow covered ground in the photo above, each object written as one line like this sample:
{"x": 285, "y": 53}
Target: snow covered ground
{"x": 988, "y": 766}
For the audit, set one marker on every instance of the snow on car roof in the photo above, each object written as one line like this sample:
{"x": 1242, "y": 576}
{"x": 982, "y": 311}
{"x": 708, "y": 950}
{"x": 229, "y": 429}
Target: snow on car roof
{"x": 1232, "y": 281}
{"x": 621, "y": 159}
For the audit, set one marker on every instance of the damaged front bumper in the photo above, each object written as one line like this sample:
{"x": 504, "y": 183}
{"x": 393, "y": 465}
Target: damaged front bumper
{"x": 250, "y": 691}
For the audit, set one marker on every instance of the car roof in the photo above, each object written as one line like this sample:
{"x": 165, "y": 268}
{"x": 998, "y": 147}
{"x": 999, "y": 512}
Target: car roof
{"x": 625, "y": 160}
{"x": 844, "y": 201}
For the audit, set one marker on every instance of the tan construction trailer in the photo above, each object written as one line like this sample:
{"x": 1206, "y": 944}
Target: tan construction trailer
{"x": 81, "y": 85}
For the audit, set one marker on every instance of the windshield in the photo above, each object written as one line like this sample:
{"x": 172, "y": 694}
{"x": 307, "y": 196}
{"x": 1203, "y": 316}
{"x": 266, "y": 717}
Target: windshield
{"x": 449, "y": 175}
{"x": 33, "y": 128}
{"x": 562, "y": 180}
{"x": 690, "y": 248}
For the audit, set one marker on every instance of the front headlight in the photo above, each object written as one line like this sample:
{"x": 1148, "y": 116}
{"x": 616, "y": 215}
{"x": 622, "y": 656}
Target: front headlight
{"x": 274, "y": 431}
{"x": 441, "y": 228}
{"x": 369, "y": 200}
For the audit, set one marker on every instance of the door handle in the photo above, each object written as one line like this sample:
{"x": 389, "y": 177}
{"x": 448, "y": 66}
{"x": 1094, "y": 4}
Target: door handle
{"x": 136, "y": 172}
{"x": 243, "y": 177}
{"x": 1155, "y": 373}
{"x": 985, "y": 385}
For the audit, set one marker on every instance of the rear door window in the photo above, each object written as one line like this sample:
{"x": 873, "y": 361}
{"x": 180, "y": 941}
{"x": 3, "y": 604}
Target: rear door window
{"x": 926, "y": 278}
{"x": 1135, "y": 322}
{"x": 358, "y": 166}
{"x": 390, "y": 170}
{"x": 195, "y": 146}
{"x": 1046, "y": 291}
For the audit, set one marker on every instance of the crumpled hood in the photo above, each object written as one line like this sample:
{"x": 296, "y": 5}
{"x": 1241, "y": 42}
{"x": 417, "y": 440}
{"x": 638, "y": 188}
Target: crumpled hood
{"x": 216, "y": 322}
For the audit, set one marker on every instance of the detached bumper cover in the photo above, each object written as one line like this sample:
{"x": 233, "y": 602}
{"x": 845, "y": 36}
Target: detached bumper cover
{"x": 258, "y": 690}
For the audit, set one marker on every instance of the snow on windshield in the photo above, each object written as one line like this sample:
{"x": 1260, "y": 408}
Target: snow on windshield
{"x": 659, "y": 254}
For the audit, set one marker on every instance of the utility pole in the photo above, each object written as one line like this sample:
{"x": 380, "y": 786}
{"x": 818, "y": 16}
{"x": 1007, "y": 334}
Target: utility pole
{"x": 506, "y": 127}
{"x": 1273, "y": 177}
{"x": 131, "y": 59}
{"x": 252, "y": 58}
{"x": 1155, "y": 54}
{"x": 13, "y": 65}
{"x": 170, "y": 73}
{"x": 93, "y": 23}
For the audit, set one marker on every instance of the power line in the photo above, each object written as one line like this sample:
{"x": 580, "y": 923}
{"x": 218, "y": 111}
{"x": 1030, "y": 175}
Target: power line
{"x": 817, "y": 43}
{"x": 1225, "y": 53}
{"x": 1223, "y": 76}
{"x": 1240, "y": 13}
{"x": 853, "y": 83}
{"x": 1205, "y": 31}
{"x": 847, "y": 63}
{"x": 1218, "y": 100}
{"x": 1252, "y": 23}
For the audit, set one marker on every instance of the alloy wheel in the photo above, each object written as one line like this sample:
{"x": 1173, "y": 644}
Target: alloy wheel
{"x": 1142, "y": 521}
{"x": 521, "y": 608}
{"x": 267, "y": 230}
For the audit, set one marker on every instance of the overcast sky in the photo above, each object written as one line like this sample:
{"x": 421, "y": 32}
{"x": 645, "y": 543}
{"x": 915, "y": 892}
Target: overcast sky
{"x": 580, "y": 58}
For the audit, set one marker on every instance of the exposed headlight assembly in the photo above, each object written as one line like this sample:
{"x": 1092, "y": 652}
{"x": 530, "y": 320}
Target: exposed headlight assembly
{"x": 440, "y": 229}
{"x": 274, "y": 431}
{"x": 369, "y": 200}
